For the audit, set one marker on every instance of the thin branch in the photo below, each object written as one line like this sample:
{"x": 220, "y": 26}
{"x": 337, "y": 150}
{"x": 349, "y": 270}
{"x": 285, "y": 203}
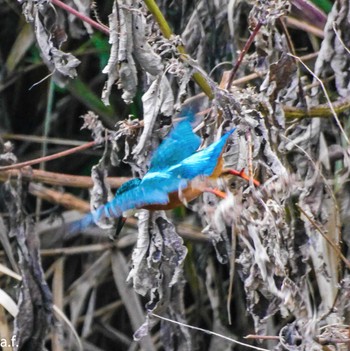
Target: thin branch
{"x": 242, "y": 54}
{"x": 102, "y": 28}
{"x": 64, "y": 199}
{"x": 50, "y": 157}
{"x": 329, "y": 241}
{"x": 80, "y": 250}
{"x": 322, "y": 111}
{"x": 40, "y": 139}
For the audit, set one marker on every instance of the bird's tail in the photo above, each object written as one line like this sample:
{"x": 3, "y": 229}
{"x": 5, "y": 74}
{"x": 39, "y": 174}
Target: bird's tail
{"x": 78, "y": 226}
{"x": 103, "y": 217}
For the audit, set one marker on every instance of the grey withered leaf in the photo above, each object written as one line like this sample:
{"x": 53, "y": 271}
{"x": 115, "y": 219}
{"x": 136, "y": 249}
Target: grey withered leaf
{"x": 128, "y": 46}
{"x": 7, "y": 156}
{"x": 34, "y": 320}
{"x": 157, "y": 264}
{"x": 157, "y": 99}
{"x": 50, "y": 35}
{"x": 92, "y": 122}
{"x": 112, "y": 69}
{"x": 78, "y": 28}
{"x": 333, "y": 57}
{"x": 121, "y": 65}
{"x": 101, "y": 191}
{"x": 143, "y": 52}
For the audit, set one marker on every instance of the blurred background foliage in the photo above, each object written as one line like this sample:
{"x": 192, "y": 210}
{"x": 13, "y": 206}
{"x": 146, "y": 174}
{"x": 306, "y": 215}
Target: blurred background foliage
{"x": 87, "y": 275}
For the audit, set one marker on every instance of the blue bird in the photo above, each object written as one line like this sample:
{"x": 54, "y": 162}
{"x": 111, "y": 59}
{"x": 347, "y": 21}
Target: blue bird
{"x": 170, "y": 180}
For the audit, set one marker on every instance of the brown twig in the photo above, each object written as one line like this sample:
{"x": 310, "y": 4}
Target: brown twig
{"x": 242, "y": 54}
{"x": 59, "y": 179}
{"x": 41, "y": 139}
{"x": 50, "y": 157}
{"x": 64, "y": 199}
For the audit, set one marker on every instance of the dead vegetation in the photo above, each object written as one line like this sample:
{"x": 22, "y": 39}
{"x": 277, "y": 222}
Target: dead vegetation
{"x": 267, "y": 268}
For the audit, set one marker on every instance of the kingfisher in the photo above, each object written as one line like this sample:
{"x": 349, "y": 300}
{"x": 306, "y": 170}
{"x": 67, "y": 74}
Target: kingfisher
{"x": 174, "y": 177}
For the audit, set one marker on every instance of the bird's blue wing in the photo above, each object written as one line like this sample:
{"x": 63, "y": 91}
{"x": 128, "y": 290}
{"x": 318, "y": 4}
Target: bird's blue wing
{"x": 153, "y": 189}
{"x": 203, "y": 162}
{"x": 179, "y": 144}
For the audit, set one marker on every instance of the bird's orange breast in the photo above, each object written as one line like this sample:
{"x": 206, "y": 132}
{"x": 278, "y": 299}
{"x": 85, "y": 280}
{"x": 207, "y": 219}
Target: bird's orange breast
{"x": 188, "y": 194}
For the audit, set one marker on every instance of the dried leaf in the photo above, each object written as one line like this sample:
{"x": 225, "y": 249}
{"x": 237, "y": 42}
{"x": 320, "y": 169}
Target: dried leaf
{"x": 157, "y": 99}
{"x": 333, "y": 57}
{"x": 100, "y": 193}
{"x": 75, "y": 24}
{"x": 157, "y": 271}
{"x": 92, "y": 122}
{"x": 50, "y": 35}
{"x": 129, "y": 46}
{"x": 112, "y": 66}
{"x": 215, "y": 228}
{"x": 34, "y": 319}
{"x": 143, "y": 52}
{"x": 7, "y": 157}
